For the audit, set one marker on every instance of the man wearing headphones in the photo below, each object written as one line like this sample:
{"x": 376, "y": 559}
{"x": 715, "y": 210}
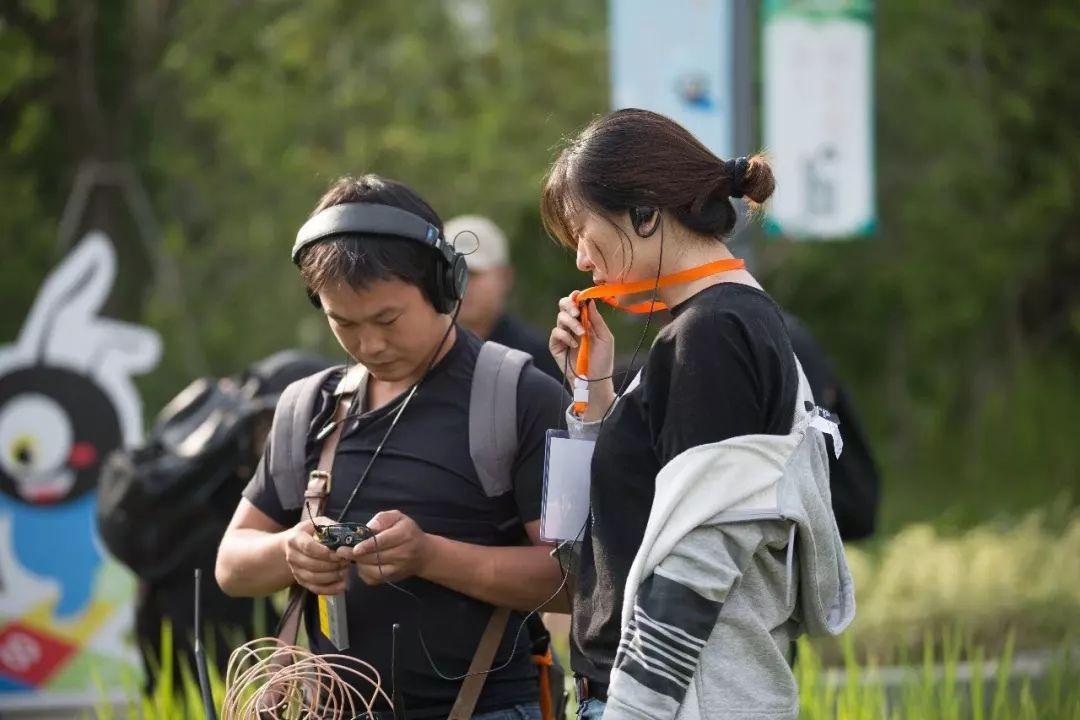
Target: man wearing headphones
{"x": 453, "y": 538}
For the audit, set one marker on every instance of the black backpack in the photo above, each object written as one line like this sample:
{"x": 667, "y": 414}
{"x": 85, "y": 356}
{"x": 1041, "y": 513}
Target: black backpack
{"x": 166, "y": 503}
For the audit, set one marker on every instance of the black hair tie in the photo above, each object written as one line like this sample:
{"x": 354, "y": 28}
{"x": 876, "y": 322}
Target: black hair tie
{"x": 736, "y": 173}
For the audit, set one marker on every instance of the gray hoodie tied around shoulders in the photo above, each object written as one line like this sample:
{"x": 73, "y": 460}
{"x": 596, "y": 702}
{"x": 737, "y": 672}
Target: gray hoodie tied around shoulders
{"x": 740, "y": 556}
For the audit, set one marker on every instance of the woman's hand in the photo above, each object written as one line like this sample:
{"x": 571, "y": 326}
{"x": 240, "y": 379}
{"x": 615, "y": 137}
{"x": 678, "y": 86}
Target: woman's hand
{"x": 566, "y": 338}
{"x": 397, "y": 552}
{"x": 313, "y": 565}
{"x": 565, "y": 342}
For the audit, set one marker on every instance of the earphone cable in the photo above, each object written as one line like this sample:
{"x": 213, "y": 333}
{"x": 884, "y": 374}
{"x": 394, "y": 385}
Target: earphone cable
{"x": 648, "y": 321}
{"x": 517, "y": 636}
{"x": 400, "y": 411}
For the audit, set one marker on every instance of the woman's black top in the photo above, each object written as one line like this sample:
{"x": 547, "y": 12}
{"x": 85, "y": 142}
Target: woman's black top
{"x": 722, "y": 368}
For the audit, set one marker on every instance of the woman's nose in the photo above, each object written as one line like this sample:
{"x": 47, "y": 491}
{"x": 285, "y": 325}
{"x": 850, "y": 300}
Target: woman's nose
{"x": 584, "y": 262}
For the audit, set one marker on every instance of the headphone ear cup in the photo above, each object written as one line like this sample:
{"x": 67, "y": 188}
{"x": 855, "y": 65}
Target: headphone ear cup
{"x": 452, "y": 280}
{"x": 459, "y": 278}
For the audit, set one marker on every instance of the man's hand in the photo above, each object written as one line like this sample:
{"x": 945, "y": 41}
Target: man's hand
{"x": 397, "y": 552}
{"x": 314, "y": 565}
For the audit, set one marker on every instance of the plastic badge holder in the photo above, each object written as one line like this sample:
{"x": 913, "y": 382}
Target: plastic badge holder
{"x": 567, "y": 471}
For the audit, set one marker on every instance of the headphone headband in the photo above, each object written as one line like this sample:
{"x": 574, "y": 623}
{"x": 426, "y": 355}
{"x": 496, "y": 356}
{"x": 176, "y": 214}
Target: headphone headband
{"x": 368, "y": 219}
{"x": 375, "y": 219}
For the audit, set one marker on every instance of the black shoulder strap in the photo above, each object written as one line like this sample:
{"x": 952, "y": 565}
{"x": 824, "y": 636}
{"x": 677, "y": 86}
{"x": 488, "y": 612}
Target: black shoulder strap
{"x": 288, "y": 437}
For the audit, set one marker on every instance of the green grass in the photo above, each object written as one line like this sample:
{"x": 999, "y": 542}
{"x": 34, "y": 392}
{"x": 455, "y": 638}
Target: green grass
{"x": 983, "y": 581}
{"x": 176, "y": 694}
{"x": 989, "y": 458}
{"x": 935, "y": 601}
{"x": 933, "y": 690}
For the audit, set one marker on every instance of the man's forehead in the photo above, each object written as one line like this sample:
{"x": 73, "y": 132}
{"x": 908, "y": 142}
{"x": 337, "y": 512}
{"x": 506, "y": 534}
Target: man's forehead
{"x": 377, "y": 298}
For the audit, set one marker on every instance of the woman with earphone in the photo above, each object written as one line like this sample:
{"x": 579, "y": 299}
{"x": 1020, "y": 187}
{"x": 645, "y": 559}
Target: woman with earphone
{"x": 704, "y": 465}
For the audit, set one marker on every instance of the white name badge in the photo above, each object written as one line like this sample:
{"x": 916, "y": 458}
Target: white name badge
{"x": 567, "y": 473}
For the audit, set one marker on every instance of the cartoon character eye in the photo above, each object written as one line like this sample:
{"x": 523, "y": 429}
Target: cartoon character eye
{"x": 35, "y": 435}
{"x": 23, "y": 450}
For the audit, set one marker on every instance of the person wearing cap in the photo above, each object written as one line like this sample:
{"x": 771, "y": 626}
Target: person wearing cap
{"x": 491, "y": 278}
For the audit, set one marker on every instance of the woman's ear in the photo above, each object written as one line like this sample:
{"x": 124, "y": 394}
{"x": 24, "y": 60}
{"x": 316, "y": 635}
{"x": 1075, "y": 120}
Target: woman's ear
{"x": 645, "y": 220}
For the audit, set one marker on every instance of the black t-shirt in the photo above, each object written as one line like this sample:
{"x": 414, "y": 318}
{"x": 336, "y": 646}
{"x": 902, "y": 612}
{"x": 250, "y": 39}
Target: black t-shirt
{"x": 513, "y": 333}
{"x": 722, "y": 368}
{"x": 426, "y": 472}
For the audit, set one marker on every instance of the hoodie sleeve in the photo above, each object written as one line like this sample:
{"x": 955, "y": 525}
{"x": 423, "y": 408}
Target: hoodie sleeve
{"x": 675, "y": 611}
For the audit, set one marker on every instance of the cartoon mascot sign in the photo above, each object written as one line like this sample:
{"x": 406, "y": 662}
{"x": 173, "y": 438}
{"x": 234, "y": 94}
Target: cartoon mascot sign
{"x": 66, "y": 401}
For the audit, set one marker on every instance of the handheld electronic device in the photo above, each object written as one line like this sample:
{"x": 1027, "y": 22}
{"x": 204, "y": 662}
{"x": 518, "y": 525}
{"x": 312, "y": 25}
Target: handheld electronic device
{"x": 347, "y": 534}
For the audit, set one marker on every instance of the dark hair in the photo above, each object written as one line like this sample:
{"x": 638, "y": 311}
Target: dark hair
{"x": 636, "y": 158}
{"x": 362, "y": 259}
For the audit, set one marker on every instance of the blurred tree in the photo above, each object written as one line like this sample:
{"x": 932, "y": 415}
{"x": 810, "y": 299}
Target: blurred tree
{"x": 238, "y": 115}
{"x": 973, "y": 287}
{"x": 79, "y": 81}
{"x": 962, "y": 315}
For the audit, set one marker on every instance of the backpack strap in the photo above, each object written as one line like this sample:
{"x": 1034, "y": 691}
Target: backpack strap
{"x": 493, "y": 440}
{"x": 318, "y": 490}
{"x": 493, "y": 444}
{"x": 288, "y": 437}
{"x": 480, "y": 665}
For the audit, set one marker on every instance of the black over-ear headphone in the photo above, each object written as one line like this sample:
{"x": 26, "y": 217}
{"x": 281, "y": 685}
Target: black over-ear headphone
{"x": 373, "y": 219}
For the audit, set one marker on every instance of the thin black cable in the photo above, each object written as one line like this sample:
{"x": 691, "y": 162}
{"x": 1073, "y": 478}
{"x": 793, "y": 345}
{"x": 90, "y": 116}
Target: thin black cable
{"x": 565, "y": 573}
{"x": 374, "y": 538}
{"x": 420, "y": 623}
{"x": 405, "y": 403}
{"x": 355, "y": 402}
{"x": 652, "y": 309}
{"x": 562, "y": 588}
{"x": 407, "y": 397}
{"x": 567, "y": 371}
{"x": 375, "y": 455}
{"x": 637, "y": 348}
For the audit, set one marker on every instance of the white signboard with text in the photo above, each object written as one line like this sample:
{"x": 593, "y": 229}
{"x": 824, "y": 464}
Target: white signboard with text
{"x": 674, "y": 58}
{"x": 818, "y": 116}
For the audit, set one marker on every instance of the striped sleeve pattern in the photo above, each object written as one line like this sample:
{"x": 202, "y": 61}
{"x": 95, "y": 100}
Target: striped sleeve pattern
{"x": 664, "y": 638}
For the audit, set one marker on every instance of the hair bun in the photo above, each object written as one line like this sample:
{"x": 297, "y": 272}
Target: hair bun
{"x": 749, "y": 177}
{"x": 735, "y": 170}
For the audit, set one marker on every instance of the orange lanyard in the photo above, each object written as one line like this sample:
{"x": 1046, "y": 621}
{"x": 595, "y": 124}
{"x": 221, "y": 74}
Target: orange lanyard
{"x": 610, "y": 294}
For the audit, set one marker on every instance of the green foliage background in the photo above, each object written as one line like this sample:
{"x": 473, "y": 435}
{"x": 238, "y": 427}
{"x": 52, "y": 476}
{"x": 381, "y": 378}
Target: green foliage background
{"x": 958, "y": 326}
